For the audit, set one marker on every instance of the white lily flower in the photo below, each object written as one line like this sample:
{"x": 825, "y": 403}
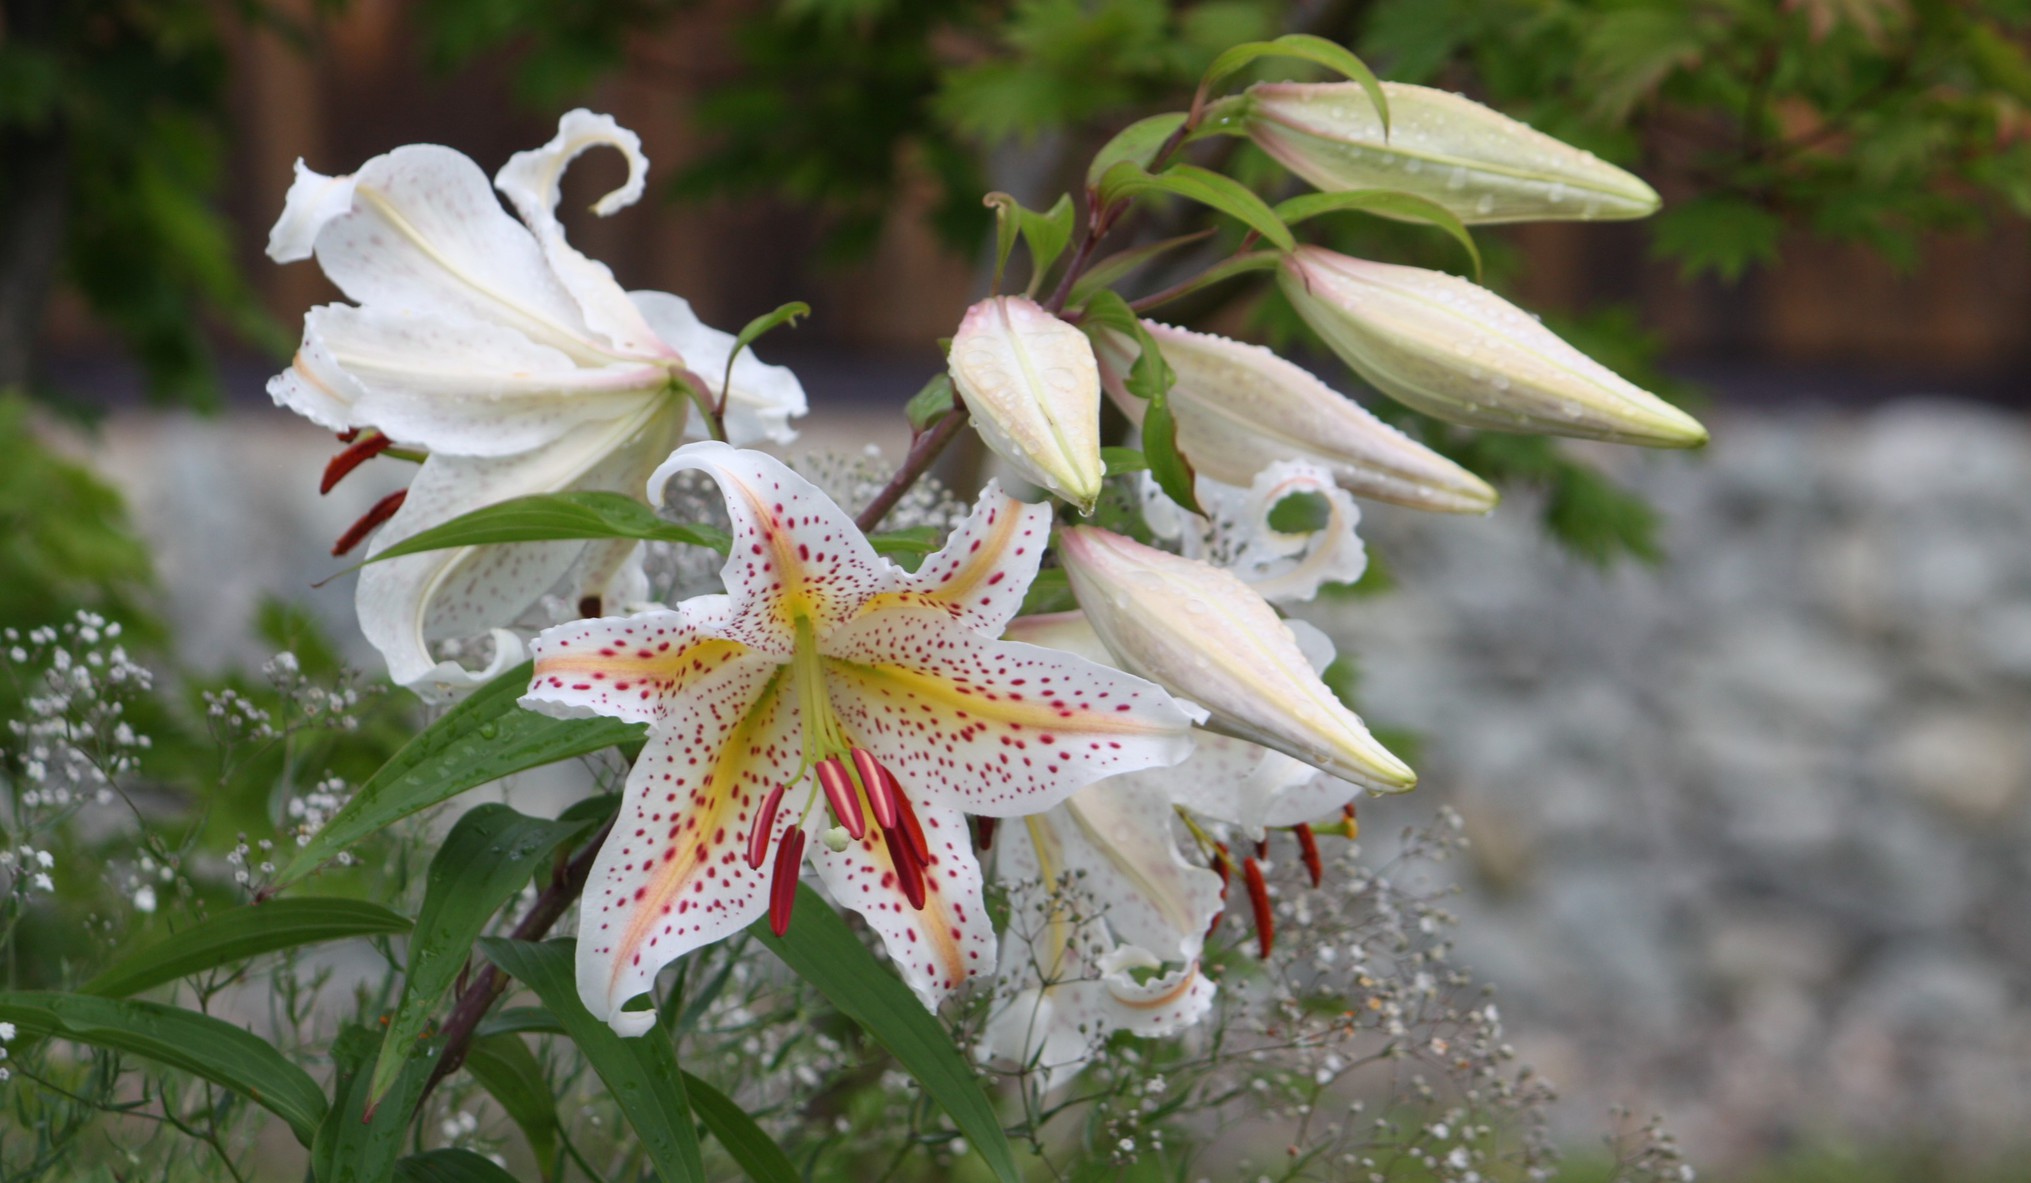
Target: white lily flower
{"x": 1033, "y": 387}
{"x": 821, "y": 657}
{"x": 1205, "y": 635}
{"x": 1097, "y": 888}
{"x": 1228, "y": 781}
{"x": 1458, "y": 351}
{"x": 1283, "y": 566}
{"x": 1476, "y": 162}
{"x": 1240, "y": 408}
{"x": 517, "y": 363}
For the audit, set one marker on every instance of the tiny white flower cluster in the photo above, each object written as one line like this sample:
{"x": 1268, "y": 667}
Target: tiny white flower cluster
{"x": 251, "y": 861}
{"x": 29, "y": 869}
{"x": 74, "y": 742}
{"x": 310, "y": 812}
{"x": 7, "y": 1033}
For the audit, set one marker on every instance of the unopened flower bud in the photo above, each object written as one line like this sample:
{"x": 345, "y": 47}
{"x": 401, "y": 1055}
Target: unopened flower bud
{"x": 1478, "y": 163}
{"x": 1461, "y": 353}
{"x": 1240, "y": 409}
{"x": 1204, "y": 635}
{"x": 1033, "y": 387}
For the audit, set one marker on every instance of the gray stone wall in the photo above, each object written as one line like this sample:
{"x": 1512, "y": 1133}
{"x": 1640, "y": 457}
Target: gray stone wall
{"x": 1752, "y": 829}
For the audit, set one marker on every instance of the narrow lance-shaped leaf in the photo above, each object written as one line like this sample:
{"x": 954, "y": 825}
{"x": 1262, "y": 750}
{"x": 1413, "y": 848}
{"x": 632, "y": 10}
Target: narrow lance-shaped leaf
{"x": 510, "y": 1073}
{"x": 482, "y": 739}
{"x": 745, "y": 1142}
{"x": 1137, "y": 144}
{"x": 1047, "y": 234}
{"x": 356, "y": 1143}
{"x": 548, "y": 517}
{"x": 228, "y": 1056}
{"x": 1208, "y": 188}
{"x": 449, "y": 1166}
{"x": 1387, "y": 203}
{"x": 823, "y": 951}
{"x": 234, "y": 935}
{"x": 642, "y": 1073}
{"x": 1121, "y": 264}
{"x": 1168, "y": 466}
{"x": 1305, "y": 47}
{"x": 930, "y": 404}
{"x": 1150, "y": 378}
{"x": 485, "y": 861}
{"x": 785, "y": 315}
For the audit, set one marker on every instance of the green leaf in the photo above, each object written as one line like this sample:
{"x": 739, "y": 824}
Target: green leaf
{"x": 1308, "y": 48}
{"x": 228, "y": 1056}
{"x": 506, "y": 1068}
{"x": 1150, "y": 375}
{"x": 239, "y": 933}
{"x": 511, "y": 1020}
{"x": 1718, "y": 233}
{"x": 1168, "y": 466}
{"x": 449, "y": 1166}
{"x": 1121, "y": 460}
{"x": 1047, "y": 235}
{"x": 786, "y": 315}
{"x": 824, "y": 952}
{"x": 910, "y": 540}
{"x": 549, "y": 517}
{"x": 1005, "y": 230}
{"x": 359, "y": 1142}
{"x": 485, "y": 861}
{"x": 641, "y": 1073}
{"x": 1300, "y": 513}
{"x": 1387, "y": 203}
{"x": 745, "y": 1142}
{"x": 1208, "y": 188}
{"x": 1137, "y": 144}
{"x": 1220, "y": 272}
{"x": 930, "y": 404}
{"x": 482, "y": 739}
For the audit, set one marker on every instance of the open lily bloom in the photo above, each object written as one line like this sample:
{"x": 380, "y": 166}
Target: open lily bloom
{"x": 1240, "y": 531}
{"x": 1227, "y": 781}
{"x": 824, "y": 657}
{"x": 519, "y": 365}
{"x": 1097, "y": 889}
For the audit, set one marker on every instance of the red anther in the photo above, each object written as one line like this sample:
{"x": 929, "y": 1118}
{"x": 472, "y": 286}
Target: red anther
{"x": 343, "y": 463}
{"x": 783, "y": 889}
{"x": 845, "y": 799}
{"x": 1262, "y": 848}
{"x": 912, "y": 829}
{"x": 765, "y": 825}
{"x": 1349, "y": 825}
{"x": 909, "y": 872}
{"x": 348, "y": 435}
{"x": 1258, "y": 896}
{"x": 881, "y": 797}
{"x": 1308, "y": 846}
{"x": 383, "y": 510}
{"x": 983, "y": 833}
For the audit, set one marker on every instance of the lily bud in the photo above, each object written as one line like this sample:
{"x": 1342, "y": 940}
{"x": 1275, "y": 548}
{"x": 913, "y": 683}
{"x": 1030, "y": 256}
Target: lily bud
{"x": 1478, "y": 163}
{"x": 1204, "y": 635}
{"x": 1458, "y": 351}
{"x": 1240, "y": 409}
{"x": 1033, "y": 387}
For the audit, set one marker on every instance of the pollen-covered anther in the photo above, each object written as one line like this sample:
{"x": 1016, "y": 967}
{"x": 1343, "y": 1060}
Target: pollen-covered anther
{"x": 909, "y": 872}
{"x": 357, "y": 532}
{"x": 880, "y": 787}
{"x": 1350, "y": 825}
{"x": 783, "y": 887}
{"x": 983, "y": 833}
{"x": 1308, "y": 848}
{"x": 765, "y": 824}
{"x": 361, "y": 451}
{"x": 912, "y": 830}
{"x": 1258, "y": 897}
{"x": 845, "y": 799}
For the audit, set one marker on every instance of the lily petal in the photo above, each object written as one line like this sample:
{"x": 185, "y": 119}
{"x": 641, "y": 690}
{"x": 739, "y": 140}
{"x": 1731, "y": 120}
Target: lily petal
{"x": 530, "y": 181}
{"x": 313, "y": 200}
{"x": 795, "y": 553}
{"x": 407, "y": 602}
{"x": 760, "y": 400}
{"x": 946, "y": 943}
{"x": 424, "y": 231}
{"x": 987, "y": 563}
{"x": 673, "y": 874}
{"x": 1282, "y": 566}
{"x": 457, "y": 385}
{"x": 992, "y": 727}
{"x": 1119, "y": 834}
{"x": 631, "y": 668}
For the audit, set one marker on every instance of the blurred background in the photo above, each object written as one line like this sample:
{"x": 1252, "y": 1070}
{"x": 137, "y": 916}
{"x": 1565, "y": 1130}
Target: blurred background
{"x": 1742, "y": 739}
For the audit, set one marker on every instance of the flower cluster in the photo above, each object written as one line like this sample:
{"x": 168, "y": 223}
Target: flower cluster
{"x": 76, "y": 681}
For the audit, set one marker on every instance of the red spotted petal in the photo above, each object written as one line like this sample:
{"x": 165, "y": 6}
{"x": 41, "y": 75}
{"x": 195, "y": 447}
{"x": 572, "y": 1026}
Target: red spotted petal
{"x": 635, "y": 668}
